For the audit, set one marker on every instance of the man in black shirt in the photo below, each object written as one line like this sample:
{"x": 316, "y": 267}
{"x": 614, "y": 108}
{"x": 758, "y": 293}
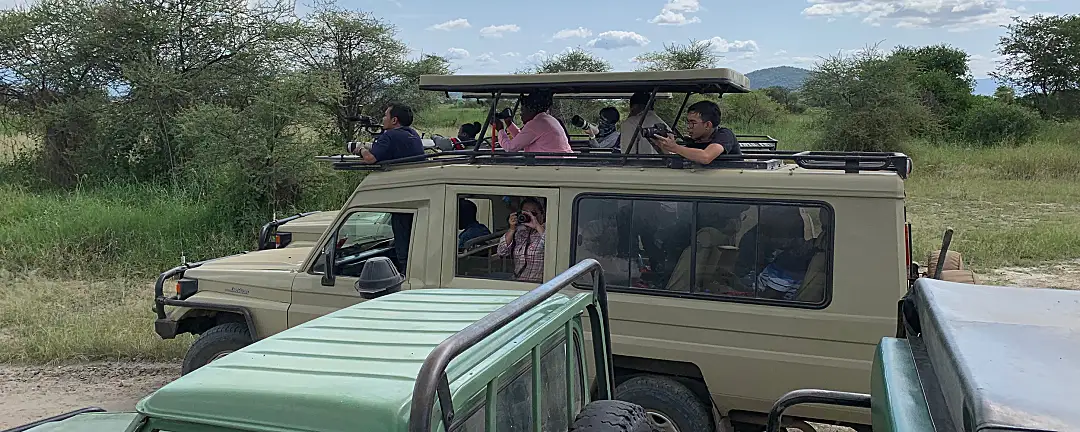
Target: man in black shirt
{"x": 398, "y": 140}
{"x": 707, "y": 138}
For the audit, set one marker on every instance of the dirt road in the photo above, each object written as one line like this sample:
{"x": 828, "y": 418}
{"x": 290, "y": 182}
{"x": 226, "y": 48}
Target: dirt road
{"x": 33, "y": 392}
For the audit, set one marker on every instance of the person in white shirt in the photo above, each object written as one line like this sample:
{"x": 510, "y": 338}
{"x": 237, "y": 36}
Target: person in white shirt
{"x": 639, "y": 106}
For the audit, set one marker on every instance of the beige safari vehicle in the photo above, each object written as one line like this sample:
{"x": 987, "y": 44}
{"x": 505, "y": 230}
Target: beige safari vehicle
{"x": 730, "y": 284}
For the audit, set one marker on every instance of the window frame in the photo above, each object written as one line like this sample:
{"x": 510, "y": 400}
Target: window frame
{"x": 339, "y": 223}
{"x": 696, "y": 200}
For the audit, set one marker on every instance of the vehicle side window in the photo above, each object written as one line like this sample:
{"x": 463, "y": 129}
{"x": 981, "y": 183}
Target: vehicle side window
{"x": 578, "y": 375}
{"x": 771, "y": 252}
{"x": 553, "y": 389}
{"x": 475, "y": 422}
{"x": 514, "y": 400}
{"x": 486, "y": 247}
{"x": 361, "y": 236}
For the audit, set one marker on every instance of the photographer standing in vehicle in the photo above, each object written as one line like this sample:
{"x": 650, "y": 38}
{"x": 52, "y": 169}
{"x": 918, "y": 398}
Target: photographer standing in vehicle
{"x": 604, "y": 135}
{"x": 524, "y": 241}
{"x": 542, "y": 133}
{"x": 639, "y": 107}
{"x": 398, "y": 140}
{"x": 707, "y": 138}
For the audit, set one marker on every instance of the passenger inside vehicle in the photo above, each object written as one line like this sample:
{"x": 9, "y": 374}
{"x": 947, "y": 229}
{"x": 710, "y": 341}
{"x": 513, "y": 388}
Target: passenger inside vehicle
{"x": 467, "y": 223}
{"x": 524, "y": 241}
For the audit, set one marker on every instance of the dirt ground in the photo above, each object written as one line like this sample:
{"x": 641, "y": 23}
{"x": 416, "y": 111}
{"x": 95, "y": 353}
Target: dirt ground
{"x": 30, "y": 393}
{"x": 33, "y": 392}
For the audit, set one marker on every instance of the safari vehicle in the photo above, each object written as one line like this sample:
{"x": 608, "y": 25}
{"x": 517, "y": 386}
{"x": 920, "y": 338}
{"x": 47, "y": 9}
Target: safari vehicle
{"x": 404, "y": 361}
{"x": 731, "y": 283}
{"x": 969, "y": 358}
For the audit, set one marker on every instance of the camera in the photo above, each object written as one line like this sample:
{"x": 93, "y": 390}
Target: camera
{"x": 655, "y": 130}
{"x": 579, "y": 122}
{"x": 504, "y": 114}
{"x": 523, "y": 217}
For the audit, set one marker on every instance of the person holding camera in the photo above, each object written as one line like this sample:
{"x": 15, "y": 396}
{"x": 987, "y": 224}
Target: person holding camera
{"x": 605, "y": 134}
{"x": 707, "y": 138}
{"x": 639, "y": 107}
{"x": 541, "y": 133}
{"x": 398, "y": 140}
{"x": 524, "y": 241}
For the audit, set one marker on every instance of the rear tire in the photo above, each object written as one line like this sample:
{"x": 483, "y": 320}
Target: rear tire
{"x": 612, "y": 416}
{"x": 215, "y": 343}
{"x": 671, "y": 405}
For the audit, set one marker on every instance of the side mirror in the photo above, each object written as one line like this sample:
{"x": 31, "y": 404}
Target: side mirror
{"x": 328, "y": 261}
{"x": 378, "y": 278}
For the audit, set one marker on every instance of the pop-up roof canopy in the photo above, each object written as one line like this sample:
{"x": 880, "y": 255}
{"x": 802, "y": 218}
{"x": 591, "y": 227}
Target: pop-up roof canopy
{"x": 718, "y": 80}
{"x": 584, "y": 96}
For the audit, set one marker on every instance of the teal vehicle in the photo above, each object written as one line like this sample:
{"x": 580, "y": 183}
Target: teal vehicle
{"x": 418, "y": 360}
{"x": 969, "y": 358}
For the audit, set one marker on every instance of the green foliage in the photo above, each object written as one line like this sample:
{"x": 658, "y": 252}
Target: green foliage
{"x": 1042, "y": 54}
{"x": 790, "y": 100}
{"x": 1005, "y": 94}
{"x": 575, "y": 60}
{"x": 943, "y": 80}
{"x": 871, "y": 103}
{"x": 694, "y": 55}
{"x": 755, "y": 107}
{"x": 991, "y": 122}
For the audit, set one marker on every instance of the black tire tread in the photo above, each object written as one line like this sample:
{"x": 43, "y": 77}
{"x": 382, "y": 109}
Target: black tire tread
{"x": 611, "y": 416}
{"x": 231, "y": 333}
{"x": 687, "y": 410}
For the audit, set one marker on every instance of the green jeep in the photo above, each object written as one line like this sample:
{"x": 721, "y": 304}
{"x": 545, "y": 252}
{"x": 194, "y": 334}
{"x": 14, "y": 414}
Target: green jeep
{"x": 404, "y": 361}
{"x": 969, "y": 358}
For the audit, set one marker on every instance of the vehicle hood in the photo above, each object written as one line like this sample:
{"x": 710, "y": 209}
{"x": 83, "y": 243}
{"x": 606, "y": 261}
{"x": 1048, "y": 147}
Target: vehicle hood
{"x": 285, "y": 259}
{"x": 314, "y": 223}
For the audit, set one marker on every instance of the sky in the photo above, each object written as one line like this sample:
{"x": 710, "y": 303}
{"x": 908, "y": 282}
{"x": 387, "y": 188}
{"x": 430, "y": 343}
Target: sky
{"x": 502, "y": 37}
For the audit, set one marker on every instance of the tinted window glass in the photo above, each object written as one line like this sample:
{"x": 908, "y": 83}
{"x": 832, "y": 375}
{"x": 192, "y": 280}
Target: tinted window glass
{"x": 553, "y": 390}
{"x": 772, "y": 252}
{"x": 485, "y": 249}
{"x": 514, "y": 401}
{"x": 362, "y": 236}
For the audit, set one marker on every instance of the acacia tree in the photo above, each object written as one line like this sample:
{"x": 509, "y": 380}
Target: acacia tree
{"x": 1042, "y": 59}
{"x": 367, "y": 56}
{"x": 943, "y": 79}
{"x": 694, "y": 55}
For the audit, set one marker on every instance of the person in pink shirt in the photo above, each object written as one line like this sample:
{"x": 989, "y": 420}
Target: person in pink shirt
{"x": 541, "y": 133}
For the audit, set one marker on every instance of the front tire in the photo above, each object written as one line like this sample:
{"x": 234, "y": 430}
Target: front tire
{"x": 214, "y": 344}
{"x": 672, "y": 406}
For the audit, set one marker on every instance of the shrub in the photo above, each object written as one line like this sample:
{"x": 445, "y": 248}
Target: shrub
{"x": 991, "y": 122}
{"x": 751, "y": 108}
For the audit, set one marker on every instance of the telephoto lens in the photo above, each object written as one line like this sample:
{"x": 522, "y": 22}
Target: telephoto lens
{"x": 504, "y": 114}
{"x": 353, "y": 147}
{"x": 578, "y": 121}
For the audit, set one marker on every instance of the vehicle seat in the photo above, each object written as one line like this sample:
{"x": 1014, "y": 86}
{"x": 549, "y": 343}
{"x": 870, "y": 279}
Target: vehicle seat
{"x": 812, "y": 288}
{"x": 715, "y": 254}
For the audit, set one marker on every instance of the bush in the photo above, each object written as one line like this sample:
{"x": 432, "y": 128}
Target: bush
{"x": 751, "y": 108}
{"x": 870, "y": 102}
{"x": 992, "y": 122}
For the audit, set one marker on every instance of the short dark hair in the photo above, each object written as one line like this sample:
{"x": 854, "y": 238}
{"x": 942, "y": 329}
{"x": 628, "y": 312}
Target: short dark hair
{"x": 539, "y": 101}
{"x": 533, "y": 200}
{"x": 467, "y": 210}
{"x": 639, "y": 98}
{"x": 708, "y": 110}
{"x": 610, "y": 114}
{"x": 404, "y": 113}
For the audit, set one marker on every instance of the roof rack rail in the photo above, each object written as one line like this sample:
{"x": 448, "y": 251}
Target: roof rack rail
{"x": 849, "y": 162}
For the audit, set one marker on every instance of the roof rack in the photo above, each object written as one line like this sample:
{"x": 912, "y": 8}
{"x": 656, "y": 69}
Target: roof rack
{"x": 849, "y": 162}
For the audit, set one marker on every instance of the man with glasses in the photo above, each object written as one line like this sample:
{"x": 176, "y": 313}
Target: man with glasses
{"x": 707, "y": 139}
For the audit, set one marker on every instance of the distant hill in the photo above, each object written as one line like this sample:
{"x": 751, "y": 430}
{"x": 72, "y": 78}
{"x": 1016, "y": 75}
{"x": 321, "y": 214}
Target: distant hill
{"x": 783, "y": 76}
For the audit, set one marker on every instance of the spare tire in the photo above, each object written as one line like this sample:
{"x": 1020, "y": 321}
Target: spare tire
{"x": 953, "y": 261}
{"x": 612, "y": 416}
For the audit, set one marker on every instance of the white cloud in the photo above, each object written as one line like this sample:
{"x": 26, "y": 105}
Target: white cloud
{"x": 580, "y": 32}
{"x": 780, "y": 53}
{"x": 675, "y": 13}
{"x": 673, "y": 18}
{"x": 616, "y": 39}
{"x": 486, "y": 59}
{"x": 457, "y": 54}
{"x": 497, "y": 31}
{"x": 722, "y": 45}
{"x": 953, "y": 15}
{"x": 457, "y": 24}
{"x": 511, "y": 54}
{"x": 536, "y": 56}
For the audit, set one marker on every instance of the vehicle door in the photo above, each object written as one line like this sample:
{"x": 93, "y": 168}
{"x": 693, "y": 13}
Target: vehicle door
{"x": 363, "y": 233}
